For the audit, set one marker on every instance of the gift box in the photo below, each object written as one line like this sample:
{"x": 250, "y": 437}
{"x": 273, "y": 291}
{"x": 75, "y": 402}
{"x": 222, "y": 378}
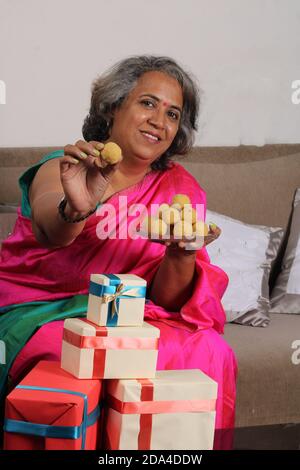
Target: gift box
{"x": 116, "y": 300}
{"x": 52, "y": 410}
{"x": 91, "y": 351}
{"x": 176, "y": 410}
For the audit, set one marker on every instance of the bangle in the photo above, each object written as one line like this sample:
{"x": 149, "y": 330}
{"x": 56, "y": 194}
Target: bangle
{"x": 61, "y": 210}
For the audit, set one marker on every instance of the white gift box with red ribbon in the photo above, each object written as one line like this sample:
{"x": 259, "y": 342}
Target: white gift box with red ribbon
{"x": 116, "y": 300}
{"x": 175, "y": 410}
{"x": 91, "y": 351}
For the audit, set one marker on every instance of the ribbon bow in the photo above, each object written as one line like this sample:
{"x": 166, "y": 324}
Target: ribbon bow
{"x": 115, "y": 298}
{"x": 112, "y": 293}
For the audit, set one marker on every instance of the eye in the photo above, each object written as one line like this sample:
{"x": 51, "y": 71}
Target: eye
{"x": 173, "y": 115}
{"x": 147, "y": 103}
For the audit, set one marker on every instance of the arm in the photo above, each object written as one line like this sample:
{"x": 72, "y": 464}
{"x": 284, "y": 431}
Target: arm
{"x": 82, "y": 178}
{"x": 44, "y": 195}
{"x": 173, "y": 283}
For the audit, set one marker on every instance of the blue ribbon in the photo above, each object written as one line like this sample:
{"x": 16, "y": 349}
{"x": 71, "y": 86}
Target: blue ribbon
{"x": 99, "y": 290}
{"x": 60, "y": 432}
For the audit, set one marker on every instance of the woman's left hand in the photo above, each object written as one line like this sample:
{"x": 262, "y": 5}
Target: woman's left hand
{"x": 190, "y": 247}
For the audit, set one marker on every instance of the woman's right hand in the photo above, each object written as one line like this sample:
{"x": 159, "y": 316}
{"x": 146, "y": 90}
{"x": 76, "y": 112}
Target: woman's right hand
{"x": 84, "y": 175}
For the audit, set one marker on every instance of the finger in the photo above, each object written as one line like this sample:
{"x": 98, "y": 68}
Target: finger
{"x": 214, "y": 229}
{"x": 210, "y": 240}
{"x": 66, "y": 162}
{"x": 98, "y": 145}
{"x": 175, "y": 246}
{"x": 87, "y": 148}
{"x": 69, "y": 159}
{"x": 100, "y": 162}
{"x": 75, "y": 152}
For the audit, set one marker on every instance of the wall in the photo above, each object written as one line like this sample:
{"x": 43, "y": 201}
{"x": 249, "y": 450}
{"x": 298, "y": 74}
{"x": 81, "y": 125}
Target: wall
{"x": 244, "y": 53}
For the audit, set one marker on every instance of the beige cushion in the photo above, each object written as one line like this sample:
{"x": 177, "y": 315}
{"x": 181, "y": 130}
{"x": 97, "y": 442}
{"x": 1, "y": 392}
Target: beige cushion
{"x": 268, "y": 387}
{"x": 246, "y": 253}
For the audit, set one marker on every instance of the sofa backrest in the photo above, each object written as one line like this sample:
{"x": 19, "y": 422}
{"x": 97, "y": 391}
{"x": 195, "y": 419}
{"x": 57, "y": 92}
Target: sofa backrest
{"x": 13, "y": 162}
{"x": 253, "y": 184}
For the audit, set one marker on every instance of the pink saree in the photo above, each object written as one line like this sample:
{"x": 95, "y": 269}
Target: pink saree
{"x": 190, "y": 338}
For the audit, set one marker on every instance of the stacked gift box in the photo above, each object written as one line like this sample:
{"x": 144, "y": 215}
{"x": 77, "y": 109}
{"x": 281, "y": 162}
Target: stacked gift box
{"x": 52, "y": 410}
{"x": 113, "y": 342}
{"x": 141, "y": 404}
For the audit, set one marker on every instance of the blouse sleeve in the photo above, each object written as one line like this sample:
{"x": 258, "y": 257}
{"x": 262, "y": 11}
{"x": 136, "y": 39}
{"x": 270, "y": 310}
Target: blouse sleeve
{"x": 26, "y": 178}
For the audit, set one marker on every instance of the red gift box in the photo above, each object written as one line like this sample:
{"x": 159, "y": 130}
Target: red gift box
{"x": 52, "y": 410}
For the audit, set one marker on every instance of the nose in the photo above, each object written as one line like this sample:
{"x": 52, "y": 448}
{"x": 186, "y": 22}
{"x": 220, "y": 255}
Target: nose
{"x": 157, "y": 118}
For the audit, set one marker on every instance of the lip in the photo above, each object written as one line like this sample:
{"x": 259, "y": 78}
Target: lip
{"x": 147, "y": 134}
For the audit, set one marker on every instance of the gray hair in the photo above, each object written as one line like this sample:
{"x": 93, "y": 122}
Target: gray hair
{"x": 112, "y": 88}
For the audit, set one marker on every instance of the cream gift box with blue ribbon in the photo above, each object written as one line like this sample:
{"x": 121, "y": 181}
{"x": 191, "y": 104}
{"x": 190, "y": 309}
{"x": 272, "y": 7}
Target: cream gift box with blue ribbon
{"x": 116, "y": 300}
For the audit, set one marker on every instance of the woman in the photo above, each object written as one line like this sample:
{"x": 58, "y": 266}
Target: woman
{"x": 148, "y": 106}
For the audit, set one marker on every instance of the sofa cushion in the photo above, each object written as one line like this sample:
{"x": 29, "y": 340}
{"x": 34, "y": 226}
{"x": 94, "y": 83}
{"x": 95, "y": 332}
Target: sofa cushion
{"x": 8, "y": 208}
{"x": 246, "y": 253}
{"x": 268, "y": 386}
{"x": 286, "y": 293}
{"x": 13, "y": 162}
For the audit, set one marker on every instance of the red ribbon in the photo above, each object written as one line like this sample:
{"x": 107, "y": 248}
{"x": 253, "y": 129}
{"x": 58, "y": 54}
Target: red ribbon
{"x": 147, "y": 407}
{"x": 102, "y": 341}
{"x": 155, "y": 407}
{"x": 144, "y": 437}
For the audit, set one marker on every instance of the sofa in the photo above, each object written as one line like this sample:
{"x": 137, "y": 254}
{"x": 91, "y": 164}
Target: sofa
{"x": 254, "y": 185}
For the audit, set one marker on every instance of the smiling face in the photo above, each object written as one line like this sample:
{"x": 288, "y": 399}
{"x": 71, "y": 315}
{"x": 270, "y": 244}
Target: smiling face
{"x": 147, "y": 122}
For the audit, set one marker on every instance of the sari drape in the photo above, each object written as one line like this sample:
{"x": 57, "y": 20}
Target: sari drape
{"x": 39, "y": 286}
